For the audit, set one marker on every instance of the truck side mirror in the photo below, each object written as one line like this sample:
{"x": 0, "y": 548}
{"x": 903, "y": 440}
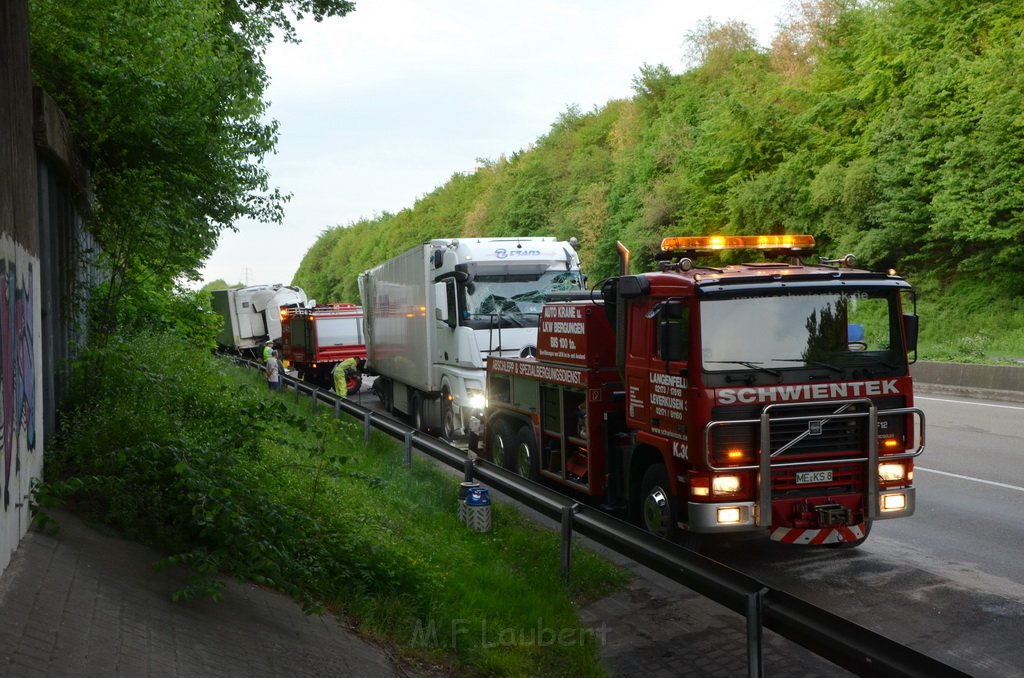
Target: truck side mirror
{"x": 910, "y": 330}
{"x": 440, "y": 302}
{"x": 444, "y": 303}
{"x": 438, "y": 258}
{"x": 670, "y": 340}
{"x": 672, "y": 329}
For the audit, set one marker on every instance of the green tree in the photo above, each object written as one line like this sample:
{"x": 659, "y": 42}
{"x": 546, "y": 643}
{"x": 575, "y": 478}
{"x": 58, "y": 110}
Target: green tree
{"x": 165, "y": 99}
{"x": 889, "y": 129}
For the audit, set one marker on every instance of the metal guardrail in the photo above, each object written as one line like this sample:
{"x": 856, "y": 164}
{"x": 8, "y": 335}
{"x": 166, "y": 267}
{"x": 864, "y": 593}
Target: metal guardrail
{"x": 830, "y": 636}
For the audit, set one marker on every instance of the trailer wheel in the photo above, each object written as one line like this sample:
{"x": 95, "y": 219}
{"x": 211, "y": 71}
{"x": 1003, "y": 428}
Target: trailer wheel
{"x": 499, "y": 442}
{"x": 657, "y": 505}
{"x": 526, "y": 459}
{"x": 382, "y": 387}
{"x": 416, "y": 410}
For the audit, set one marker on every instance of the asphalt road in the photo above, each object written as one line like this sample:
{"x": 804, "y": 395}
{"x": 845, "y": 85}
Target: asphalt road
{"x": 948, "y": 581}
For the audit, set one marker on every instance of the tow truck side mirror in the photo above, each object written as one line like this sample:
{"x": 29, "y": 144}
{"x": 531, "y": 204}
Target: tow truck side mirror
{"x": 671, "y": 331}
{"x": 910, "y": 330}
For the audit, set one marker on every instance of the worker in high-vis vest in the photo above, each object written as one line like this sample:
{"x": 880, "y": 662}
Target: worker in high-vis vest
{"x": 340, "y": 373}
{"x": 268, "y": 348}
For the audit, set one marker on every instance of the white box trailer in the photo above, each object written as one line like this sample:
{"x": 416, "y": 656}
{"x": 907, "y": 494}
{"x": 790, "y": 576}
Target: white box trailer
{"x": 435, "y": 314}
{"x": 252, "y": 315}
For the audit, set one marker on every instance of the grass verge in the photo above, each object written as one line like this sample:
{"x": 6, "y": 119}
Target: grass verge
{"x": 184, "y": 452}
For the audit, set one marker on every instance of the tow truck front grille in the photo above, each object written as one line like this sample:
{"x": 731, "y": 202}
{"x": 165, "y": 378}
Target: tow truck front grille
{"x": 823, "y": 435}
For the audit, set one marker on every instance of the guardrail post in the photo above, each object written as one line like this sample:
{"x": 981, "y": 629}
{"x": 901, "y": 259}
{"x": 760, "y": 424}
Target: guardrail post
{"x": 408, "y": 449}
{"x": 296, "y": 386}
{"x": 367, "y": 425}
{"x": 567, "y": 514}
{"x": 467, "y": 470}
{"x": 314, "y": 395}
{"x": 337, "y": 407}
{"x": 755, "y": 610}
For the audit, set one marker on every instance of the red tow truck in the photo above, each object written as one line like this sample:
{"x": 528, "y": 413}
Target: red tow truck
{"x": 772, "y": 397}
{"x": 314, "y": 340}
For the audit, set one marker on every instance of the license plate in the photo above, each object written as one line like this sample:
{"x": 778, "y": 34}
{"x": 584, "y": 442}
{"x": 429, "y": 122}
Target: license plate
{"x": 805, "y": 477}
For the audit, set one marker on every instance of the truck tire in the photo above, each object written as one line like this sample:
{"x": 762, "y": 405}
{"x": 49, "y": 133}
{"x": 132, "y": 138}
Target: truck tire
{"x": 526, "y": 458}
{"x": 416, "y": 412}
{"x": 447, "y": 416}
{"x": 382, "y": 387}
{"x": 657, "y": 504}
{"x": 499, "y": 442}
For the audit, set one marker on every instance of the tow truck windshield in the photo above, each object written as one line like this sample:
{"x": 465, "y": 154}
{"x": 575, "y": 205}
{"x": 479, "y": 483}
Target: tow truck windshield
{"x": 827, "y": 332}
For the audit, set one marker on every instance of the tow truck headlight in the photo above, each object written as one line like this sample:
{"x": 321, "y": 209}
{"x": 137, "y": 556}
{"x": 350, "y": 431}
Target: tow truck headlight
{"x": 725, "y": 485}
{"x": 894, "y": 502}
{"x": 477, "y": 400}
{"x": 892, "y": 472}
{"x": 728, "y": 515}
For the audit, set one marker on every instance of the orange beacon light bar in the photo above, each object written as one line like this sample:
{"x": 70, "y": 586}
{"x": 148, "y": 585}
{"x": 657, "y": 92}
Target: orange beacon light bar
{"x": 737, "y": 242}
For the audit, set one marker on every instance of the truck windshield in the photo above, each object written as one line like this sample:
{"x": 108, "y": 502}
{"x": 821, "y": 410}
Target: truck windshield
{"x": 517, "y": 299}
{"x": 829, "y": 331}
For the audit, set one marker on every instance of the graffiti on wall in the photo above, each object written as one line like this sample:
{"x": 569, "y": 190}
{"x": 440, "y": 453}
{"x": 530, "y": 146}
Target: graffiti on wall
{"x": 17, "y": 371}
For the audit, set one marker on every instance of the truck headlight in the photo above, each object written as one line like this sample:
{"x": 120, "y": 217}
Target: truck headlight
{"x": 894, "y": 502}
{"x": 729, "y": 515}
{"x": 477, "y": 400}
{"x": 892, "y": 472}
{"x": 723, "y": 485}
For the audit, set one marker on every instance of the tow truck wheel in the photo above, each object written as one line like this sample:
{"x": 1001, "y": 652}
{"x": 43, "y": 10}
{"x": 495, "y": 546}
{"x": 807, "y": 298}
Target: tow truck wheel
{"x": 353, "y": 384}
{"x": 856, "y": 542}
{"x": 499, "y": 443}
{"x": 527, "y": 463}
{"x": 657, "y": 505}
{"x": 447, "y": 416}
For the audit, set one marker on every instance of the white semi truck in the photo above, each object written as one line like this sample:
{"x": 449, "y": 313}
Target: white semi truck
{"x": 252, "y": 315}
{"x": 435, "y": 314}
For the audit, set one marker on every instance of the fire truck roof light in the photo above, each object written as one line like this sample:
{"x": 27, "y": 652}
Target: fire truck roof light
{"x": 737, "y": 242}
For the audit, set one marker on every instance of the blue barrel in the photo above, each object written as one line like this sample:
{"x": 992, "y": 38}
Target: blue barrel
{"x": 464, "y": 489}
{"x": 478, "y": 510}
{"x": 478, "y": 496}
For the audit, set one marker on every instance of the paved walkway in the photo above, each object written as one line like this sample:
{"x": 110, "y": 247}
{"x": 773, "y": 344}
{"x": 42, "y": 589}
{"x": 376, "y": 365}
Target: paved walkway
{"x": 85, "y": 604}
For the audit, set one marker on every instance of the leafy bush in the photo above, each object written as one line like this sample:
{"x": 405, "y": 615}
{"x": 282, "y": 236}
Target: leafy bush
{"x": 181, "y": 450}
{"x": 159, "y": 444}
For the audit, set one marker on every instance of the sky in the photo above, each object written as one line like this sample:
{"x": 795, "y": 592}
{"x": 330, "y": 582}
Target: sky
{"x": 382, "y": 106}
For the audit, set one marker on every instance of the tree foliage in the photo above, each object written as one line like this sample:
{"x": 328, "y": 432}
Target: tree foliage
{"x": 165, "y": 100}
{"x": 890, "y": 129}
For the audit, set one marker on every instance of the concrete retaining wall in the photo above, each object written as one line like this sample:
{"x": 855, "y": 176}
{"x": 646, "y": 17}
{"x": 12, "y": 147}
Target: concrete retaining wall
{"x": 995, "y": 382}
{"x": 21, "y": 445}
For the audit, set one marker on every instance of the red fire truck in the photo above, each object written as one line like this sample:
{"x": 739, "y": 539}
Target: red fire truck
{"x": 770, "y": 397}
{"x": 314, "y": 340}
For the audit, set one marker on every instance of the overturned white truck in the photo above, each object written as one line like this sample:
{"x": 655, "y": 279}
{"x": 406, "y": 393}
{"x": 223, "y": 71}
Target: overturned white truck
{"x": 252, "y": 315}
{"x": 435, "y": 314}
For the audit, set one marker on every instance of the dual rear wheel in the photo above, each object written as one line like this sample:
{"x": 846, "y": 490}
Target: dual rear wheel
{"x": 516, "y": 451}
